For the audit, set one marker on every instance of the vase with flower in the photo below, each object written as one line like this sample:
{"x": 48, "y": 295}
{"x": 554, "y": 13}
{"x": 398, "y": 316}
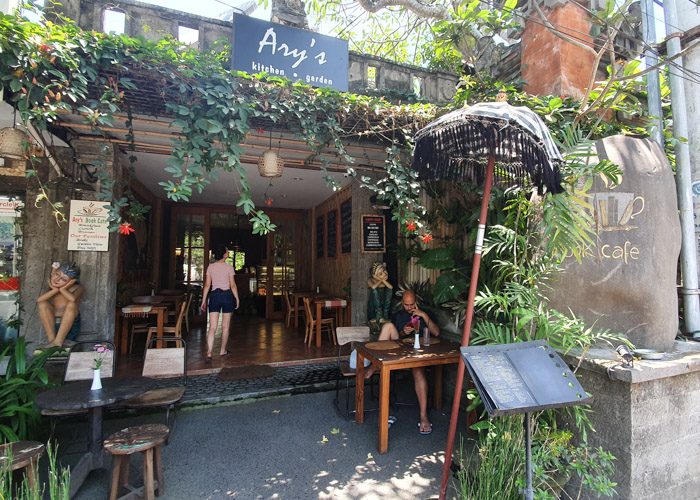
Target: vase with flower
{"x": 101, "y": 351}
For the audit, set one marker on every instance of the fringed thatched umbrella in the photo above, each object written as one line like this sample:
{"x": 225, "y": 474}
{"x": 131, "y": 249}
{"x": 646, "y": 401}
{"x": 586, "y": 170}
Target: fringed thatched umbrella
{"x": 478, "y": 144}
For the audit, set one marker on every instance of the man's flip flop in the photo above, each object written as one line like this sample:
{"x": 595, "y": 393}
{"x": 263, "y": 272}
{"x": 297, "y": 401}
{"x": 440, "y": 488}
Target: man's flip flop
{"x": 425, "y": 433}
{"x": 392, "y": 420}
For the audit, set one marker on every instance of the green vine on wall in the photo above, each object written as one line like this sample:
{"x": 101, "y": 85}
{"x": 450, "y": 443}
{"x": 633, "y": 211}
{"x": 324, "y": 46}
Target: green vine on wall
{"x": 56, "y": 68}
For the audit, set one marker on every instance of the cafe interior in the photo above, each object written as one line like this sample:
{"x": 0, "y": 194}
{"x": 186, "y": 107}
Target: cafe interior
{"x": 310, "y": 254}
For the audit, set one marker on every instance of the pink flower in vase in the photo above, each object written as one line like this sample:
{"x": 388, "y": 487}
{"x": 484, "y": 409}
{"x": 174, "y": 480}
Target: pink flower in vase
{"x": 415, "y": 323}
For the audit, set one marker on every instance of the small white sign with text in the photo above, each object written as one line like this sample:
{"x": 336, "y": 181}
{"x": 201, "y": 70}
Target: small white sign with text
{"x": 88, "y": 228}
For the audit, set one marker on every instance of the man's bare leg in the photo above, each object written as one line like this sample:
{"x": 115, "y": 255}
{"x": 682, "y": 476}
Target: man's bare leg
{"x": 69, "y": 315}
{"x": 48, "y": 319}
{"x": 388, "y": 332}
{"x": 421, "y": 385}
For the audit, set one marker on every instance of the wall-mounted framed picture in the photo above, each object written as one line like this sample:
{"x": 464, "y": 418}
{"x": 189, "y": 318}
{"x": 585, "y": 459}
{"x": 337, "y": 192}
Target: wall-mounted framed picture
{"x": 332, "y": 225}
{"x": 346, "y": 226}
{"x": 373, "y": 234}
{"x": 320, "y": 233}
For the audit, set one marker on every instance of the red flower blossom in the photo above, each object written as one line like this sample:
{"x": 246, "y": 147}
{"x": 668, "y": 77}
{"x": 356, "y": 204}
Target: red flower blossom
{"x": 125, "y": 228}
{"x": 45, "y": 48}
{"x": 268, "y": 202}
{"x": 426, "y": 238}
{"x": 260, "y": 130}
{"x": 410, "y": 226}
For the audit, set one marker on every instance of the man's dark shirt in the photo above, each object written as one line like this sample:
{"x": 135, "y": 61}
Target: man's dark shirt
{"x": 402, "y": 317}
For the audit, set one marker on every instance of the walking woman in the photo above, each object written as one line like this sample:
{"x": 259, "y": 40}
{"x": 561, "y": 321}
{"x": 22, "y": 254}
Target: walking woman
{"x": 223, "y": 298}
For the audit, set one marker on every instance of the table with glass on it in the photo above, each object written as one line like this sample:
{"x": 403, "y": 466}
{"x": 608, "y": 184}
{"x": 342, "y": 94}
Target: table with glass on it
{"x": 389, "y": 355}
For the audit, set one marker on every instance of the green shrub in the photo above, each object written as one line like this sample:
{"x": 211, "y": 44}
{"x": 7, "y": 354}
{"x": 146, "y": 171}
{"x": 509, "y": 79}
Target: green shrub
{"x": 19, "y": 417}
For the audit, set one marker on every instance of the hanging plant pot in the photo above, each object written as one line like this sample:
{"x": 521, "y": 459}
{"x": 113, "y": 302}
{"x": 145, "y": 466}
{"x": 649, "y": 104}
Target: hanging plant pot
{"x": 12, "y": 143}
{"x": 270, "y": 164}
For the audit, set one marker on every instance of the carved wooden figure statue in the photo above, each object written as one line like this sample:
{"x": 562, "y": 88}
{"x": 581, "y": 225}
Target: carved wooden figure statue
{"x": 379, "y": 305}
{"x": 59, "y": 307}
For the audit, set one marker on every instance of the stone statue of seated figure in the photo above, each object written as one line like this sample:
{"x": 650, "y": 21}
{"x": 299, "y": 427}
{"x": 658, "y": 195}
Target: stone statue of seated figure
{"x": 59, "y": 308}
{"x": 380, "y": 293}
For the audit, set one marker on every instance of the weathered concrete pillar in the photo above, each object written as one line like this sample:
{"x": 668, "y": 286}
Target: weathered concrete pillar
{"x": 647, "y": 417}
{"x": 45, "y": 241}
{"x": 551, "y": 65}
{"x": 361, "y": 262}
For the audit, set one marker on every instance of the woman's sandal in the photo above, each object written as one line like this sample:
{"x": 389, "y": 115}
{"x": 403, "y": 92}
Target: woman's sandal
{"x": 226, "y": 353}
{"x": 208, "y": 358}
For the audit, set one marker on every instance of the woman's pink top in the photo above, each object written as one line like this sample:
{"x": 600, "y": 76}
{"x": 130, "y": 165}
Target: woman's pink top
{"x": 219, "y": 272}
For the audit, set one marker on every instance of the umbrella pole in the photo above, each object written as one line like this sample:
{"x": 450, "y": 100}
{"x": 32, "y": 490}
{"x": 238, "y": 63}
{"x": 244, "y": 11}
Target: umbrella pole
{"x": 467, "y": 325}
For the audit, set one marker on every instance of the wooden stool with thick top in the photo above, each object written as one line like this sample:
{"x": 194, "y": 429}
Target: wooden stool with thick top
{"x": 25, "y": 455}
{"x": 146, "y": 439}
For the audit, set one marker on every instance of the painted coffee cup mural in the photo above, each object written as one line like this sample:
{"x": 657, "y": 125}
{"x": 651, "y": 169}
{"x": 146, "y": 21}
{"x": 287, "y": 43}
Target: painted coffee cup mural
{"x": 615, "y": 211}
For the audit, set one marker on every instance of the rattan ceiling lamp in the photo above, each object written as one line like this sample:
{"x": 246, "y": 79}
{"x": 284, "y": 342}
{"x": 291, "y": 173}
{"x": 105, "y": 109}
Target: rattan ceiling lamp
{"x": 270, "y": 164}
{"x": 13, "y": 142}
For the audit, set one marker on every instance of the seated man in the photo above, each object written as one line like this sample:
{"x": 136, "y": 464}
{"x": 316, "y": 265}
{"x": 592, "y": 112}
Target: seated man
{"x": 401, "y": 326}
{"x": 59, "y": 308}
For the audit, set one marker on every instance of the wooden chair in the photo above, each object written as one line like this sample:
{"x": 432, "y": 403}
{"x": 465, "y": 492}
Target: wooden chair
{"x": 291, "y": 309}
{"x": 174, "y": 330}
{"x": 188, "y": 305}
{"x": 347, "y": 335}
{"x": 147, "y": 439}
{"x": 24, "y": 455}
{"x": 166, "y": 362}
{"x": 327, "y": 324}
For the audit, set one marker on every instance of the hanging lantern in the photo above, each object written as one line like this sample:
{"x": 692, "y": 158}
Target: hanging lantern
{"x": 270, "y": 164}
{"x": 12, "y": 143}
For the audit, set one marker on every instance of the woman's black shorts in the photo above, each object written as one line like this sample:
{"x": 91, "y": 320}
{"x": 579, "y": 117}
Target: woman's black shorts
{"x": 222, "y": 301}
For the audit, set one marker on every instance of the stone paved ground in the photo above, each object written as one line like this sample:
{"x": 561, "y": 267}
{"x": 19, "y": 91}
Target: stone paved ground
{"x": 203, "y": 389}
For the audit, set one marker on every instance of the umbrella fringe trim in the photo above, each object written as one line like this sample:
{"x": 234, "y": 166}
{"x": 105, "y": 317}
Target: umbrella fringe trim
{"x": 459, "y": 151}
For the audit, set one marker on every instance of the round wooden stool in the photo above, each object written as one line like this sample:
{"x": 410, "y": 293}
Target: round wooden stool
{"x": 146, "y": 439}
{"x": 25, "y": 455}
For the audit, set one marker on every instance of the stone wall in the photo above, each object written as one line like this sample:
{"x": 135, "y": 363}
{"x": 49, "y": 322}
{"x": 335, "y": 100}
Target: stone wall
{"x": 647, "y": 417}
{"x": 154, "y": 22}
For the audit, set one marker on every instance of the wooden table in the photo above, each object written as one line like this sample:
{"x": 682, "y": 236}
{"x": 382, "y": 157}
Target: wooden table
{"x": 297, "y": 300}
{"x": 399, "y": 355}
{"x": 78, "y": 396}
{"x": 330, "y": 302}
{"x": 161, "y": 312}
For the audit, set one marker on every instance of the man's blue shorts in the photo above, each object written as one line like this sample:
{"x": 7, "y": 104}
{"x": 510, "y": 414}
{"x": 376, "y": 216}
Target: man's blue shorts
{"x": 222, "y": 301}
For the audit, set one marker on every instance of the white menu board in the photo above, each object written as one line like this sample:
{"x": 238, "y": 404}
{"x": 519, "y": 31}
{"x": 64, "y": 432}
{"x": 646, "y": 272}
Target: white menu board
{"x": 88, "y": 228}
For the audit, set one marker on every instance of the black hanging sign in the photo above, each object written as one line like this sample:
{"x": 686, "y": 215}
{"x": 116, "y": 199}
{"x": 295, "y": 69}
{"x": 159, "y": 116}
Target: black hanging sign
{"x": 522, "y": 377}
{"x": 373, "y": 234}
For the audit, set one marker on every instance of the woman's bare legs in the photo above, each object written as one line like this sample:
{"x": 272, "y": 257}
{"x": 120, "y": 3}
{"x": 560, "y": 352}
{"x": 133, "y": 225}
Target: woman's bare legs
{"x": 225, "y": 325}
{"x": 213, "y": 324}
